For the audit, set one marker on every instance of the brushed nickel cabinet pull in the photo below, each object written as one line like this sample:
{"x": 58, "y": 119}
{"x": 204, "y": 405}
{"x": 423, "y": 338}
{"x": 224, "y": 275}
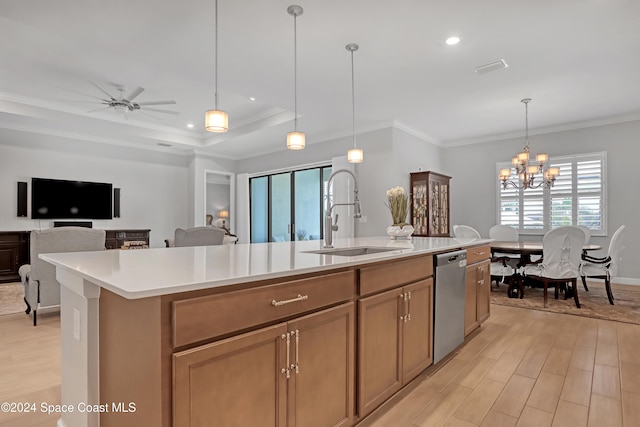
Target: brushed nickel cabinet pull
{"x": 297, "y": 365}
{"x": 286, "y": 370}
{"x": 288, "y": 301}
{"x": 408, "y": 316}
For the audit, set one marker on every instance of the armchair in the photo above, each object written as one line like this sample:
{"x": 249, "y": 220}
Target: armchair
{"x": 41, "y": 289}
{"x": 198, "y": 236}
{"x": 503, "y": 266}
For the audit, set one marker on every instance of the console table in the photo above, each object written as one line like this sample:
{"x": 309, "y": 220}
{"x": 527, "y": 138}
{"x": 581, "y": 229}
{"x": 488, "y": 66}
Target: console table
{"x": 115, "y": 238}
{"x": 14, "y": 252}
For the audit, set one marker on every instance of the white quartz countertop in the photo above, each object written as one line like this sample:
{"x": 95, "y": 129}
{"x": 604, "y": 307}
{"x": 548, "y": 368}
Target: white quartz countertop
{"x": 144, "y": 273}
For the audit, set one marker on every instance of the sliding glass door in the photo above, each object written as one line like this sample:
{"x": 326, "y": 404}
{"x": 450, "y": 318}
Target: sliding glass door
{"x": 288, "y": 206}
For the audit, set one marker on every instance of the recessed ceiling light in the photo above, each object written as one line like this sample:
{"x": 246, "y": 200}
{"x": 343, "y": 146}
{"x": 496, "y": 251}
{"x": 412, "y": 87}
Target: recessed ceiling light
{"x": 189, "y": 125}
{"x": 252, "y": 98}
{"x": 453, "y": 40}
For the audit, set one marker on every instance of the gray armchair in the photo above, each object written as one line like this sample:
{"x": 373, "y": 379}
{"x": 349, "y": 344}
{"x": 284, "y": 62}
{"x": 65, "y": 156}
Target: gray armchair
{"x": 198, "y": 236}
{"x": 41, "y": 289}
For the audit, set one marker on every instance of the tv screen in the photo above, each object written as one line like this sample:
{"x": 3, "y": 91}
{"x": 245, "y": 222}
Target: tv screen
{"x": 59, "y": 199}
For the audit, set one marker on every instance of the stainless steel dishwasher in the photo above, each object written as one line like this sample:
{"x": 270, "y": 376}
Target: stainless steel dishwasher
{"x": 448, "y": 310}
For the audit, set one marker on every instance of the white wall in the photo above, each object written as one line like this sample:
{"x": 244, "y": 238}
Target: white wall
{"x": 473, "y": 189}
{"x": 152, "y": 192}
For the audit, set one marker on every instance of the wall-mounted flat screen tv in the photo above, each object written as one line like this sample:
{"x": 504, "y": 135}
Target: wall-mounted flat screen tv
{"x": 59, "y": 199}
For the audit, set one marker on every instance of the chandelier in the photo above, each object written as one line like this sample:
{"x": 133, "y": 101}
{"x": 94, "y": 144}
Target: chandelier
{"x": 527, "y": 169}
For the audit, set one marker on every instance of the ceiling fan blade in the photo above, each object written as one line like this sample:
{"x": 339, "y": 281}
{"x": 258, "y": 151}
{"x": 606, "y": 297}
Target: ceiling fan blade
{"x": 98, "y": 109}
{"x": 157, "y": 110}
{"x": 137, "y": 91}
{"x": 156, "y": 102}
{"x": 101, "y": 89}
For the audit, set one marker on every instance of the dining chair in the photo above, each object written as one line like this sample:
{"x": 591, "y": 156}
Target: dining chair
{"x": 503, "y": 266}
{"x": 561, "y": 258}
{"x": 587, "y": 233}
{"x": 465, "y": 232}
{"x": 606, "y": 267}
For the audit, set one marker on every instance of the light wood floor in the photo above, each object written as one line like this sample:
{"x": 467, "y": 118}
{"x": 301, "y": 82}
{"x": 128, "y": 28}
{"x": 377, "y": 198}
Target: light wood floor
{"x": 532, "y": 368}
{"x": 524, "y": 368}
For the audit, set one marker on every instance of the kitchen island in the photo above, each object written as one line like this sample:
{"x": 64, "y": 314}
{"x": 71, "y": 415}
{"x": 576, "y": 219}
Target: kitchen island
{"x": 261, "y": 334}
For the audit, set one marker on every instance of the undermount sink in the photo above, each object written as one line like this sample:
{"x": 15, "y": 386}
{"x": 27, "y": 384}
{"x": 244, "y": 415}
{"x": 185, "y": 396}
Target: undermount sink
{"x": 356, "y": 251}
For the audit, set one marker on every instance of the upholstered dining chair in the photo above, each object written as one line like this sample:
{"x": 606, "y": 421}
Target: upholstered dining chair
{"x": 606, "y": 267}
{"x": 503, "y": 266}
{"x": 587, "y": 233}
{"x": 561, "y": 258}
{"x": 41, "y": 289}
{"x": 465, "y": 232}
{"x": 198, "y": 236}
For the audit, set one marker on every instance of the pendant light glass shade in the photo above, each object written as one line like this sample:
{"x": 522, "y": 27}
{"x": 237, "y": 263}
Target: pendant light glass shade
{"x": 295, "y": 139}
{"x": 216, "y": 121}
{"x": 355, "y": 154}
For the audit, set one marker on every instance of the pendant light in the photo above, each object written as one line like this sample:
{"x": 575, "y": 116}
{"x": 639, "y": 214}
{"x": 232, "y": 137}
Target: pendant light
{"x": 355, "y": 154}
{"x": 216, "y": 120}
{"x": 295, "y": 139}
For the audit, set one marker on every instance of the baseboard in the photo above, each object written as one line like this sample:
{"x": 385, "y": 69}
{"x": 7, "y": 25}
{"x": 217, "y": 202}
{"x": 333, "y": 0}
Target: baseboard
{"x": 619, "y": 280}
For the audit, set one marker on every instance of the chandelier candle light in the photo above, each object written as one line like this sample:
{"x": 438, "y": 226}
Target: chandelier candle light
{"x": 398, "y": 204}
{"x": 527, "y": 169}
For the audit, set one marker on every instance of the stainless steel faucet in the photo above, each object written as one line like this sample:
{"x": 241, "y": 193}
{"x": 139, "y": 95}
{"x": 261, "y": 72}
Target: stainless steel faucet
{"x": 329, "y": 226}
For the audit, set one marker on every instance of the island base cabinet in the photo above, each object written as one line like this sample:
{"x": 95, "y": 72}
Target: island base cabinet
{"x": 298, "y": 373}
{"x": 477, "y": 296}
{"x": 395, "y": 341}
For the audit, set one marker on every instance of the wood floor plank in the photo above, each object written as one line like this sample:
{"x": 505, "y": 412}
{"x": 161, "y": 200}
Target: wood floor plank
{"x": 606, "y": 381}
{"x": 496, "y": 419}
{"x": 546, "y": 392}
{"x": 514, "y": 396}
{"x": 570, "y": 415}
{"x": 472, "y": 374}
{"x": 630, "y": 409}
{"x": 504, "y": 367}
{"x": 583, "y": 357}
{"x": 577, "y": 387}
{"x": 440, "y": 409}
{"x": 607, "y": 354}
{"x": 532, "y": 417}
{"x": 479, "y": 402}
{"x": 605, "y": 412}
{"x": 558, "y": 361}
{"x": 630, "y": 376}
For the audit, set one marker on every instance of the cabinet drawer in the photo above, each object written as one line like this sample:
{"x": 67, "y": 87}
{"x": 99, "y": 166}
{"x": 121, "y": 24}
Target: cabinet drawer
{"x": 202, "y": 318}
{"x": 478, "y": 253}
{"x": 386, "y": 276}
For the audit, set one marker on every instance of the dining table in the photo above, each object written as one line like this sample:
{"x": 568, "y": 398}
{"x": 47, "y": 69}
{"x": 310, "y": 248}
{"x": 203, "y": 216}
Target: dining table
{"x": 525, "y": 250}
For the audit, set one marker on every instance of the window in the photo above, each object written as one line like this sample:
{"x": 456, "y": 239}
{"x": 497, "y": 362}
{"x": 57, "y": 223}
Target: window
{"x": 288, "y": 206}
{"x": 578, "y": 197}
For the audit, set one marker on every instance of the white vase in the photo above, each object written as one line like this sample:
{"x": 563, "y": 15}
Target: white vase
{"x": 395, "y": 232}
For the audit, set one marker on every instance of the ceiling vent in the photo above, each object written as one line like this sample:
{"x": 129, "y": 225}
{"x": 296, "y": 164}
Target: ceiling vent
{"x": 492, "y": 66}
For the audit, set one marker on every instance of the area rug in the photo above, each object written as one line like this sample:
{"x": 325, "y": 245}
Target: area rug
{"x": 11, "y": 298}
{"x": 592, "y": 304}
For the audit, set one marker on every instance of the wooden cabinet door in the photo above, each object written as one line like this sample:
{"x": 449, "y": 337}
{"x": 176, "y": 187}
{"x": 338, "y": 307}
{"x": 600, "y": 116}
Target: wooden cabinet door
{"x": 483, "y": 291}
{"x": 235, "y": 382}
{"x": 321, "y": 388}
{"x": 379, "y": 339}
{"x": 470, "y": 301}
{"x": 417, "y": 334}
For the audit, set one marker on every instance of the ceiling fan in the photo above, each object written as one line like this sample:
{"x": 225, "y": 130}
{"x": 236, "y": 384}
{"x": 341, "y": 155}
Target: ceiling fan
{"x": 127, "y": 104}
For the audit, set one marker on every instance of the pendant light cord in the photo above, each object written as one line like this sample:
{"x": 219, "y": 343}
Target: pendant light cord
{"x": 353, "y": 101}
{"x": 526, "y": 123}
{"x": 216, "y": 55}
{"x": 295, "y": 73}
